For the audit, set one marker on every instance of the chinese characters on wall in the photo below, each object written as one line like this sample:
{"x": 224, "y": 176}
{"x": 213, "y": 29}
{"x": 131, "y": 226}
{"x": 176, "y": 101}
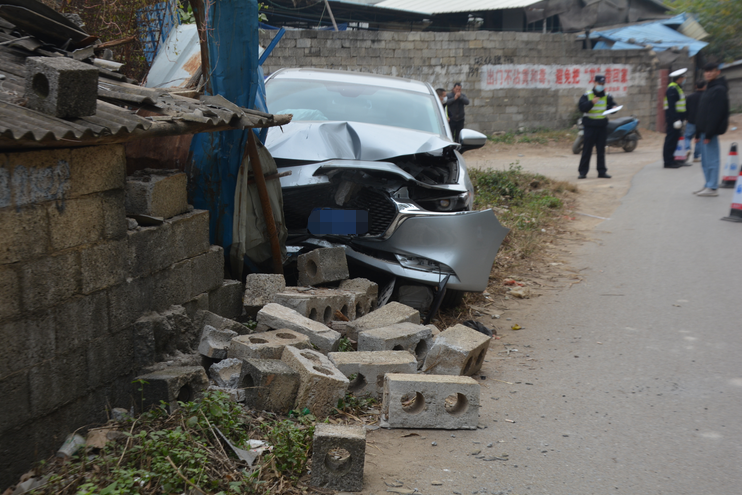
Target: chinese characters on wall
{"x": 556, "y": 77}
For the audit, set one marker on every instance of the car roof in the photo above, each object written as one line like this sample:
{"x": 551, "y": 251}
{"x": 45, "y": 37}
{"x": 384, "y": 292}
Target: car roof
{"x": 353, "y": 78}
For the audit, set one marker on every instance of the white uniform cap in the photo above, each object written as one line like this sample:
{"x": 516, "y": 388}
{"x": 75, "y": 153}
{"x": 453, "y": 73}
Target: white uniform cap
{"x": 678, "y": 72}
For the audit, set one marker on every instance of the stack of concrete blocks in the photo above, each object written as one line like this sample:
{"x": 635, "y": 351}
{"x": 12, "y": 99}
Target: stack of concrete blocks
{"x": 321, "y": 384}
{"x": 477, "y": 58}
{"x": 430, "y": 401}
{"x": 338, "y": 457}
{"x": 458, "y": 350}
{"x": 275, "y": 316}
{"x": 266, "y": 345}
{"x": 369, "y": 369}
{"x": 73, "y": 284}
{"x": 269, "y": 385}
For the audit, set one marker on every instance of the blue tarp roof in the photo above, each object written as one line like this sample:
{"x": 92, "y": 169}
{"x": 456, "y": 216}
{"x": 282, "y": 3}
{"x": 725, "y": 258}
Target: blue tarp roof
{"x": 657, "y": 34}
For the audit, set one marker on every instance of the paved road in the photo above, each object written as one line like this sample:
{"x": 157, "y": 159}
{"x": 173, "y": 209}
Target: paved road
{"x": 632, "y": 383}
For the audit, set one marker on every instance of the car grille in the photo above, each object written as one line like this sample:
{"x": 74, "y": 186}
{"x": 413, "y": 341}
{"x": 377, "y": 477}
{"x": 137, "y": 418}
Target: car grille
{"x": 299, "y": 203}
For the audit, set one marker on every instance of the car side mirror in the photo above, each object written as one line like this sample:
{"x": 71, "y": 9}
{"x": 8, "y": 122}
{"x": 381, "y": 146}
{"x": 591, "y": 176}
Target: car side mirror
{"x": 471, "y": 140}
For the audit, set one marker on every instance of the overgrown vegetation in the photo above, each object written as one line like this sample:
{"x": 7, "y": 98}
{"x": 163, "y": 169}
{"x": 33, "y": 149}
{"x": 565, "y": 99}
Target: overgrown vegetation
{"x": 528, "y": 204}
{"x": 183, "y": 452}
{"x": 721, "y": 19}
{"x": 536, "y": 136}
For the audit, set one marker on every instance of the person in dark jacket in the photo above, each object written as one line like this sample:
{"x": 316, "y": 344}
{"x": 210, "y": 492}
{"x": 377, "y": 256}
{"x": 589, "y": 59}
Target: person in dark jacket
{"x": 674, "y": 117}
{"x": 691, "y": 106}
{"x": 455, "y": 102}
{"x": 711, "y": 122}
{"x": 592, "y": 104}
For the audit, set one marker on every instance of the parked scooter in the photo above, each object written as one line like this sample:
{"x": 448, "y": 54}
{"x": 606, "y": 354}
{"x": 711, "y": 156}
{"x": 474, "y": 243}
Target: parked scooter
{"x": 622, "y": 133}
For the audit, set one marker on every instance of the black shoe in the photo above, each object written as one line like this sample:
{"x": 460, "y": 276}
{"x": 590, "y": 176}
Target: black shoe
{"x": 582, "y": 176}
{"x": 674, "y": 165}
{"x": 604, "y": 176}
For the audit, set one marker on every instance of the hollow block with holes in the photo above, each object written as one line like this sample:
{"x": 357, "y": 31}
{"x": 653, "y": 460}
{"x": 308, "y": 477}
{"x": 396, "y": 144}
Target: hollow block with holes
{"x": 62, "y": 87}
{"x": 338, "y": 456}
{"x": 172, "y": 385}
{"x": 214, "y": 343}
{"x": 430, "y": 401}
{"x": 322, "y": 266}
{"x": 275, "y": 316}
{"x": 366, "y": 294}
{"x": 321, "y": 384}
{"x": 389, "y": 314}
{"x": 269, "y": 384}
{"x": 416, "y": 339}
{"x": 318, "y": 304}
{"x": 369, "y": 369}
{"x": 266, "y": 345}
{"x": 458, "y": 350}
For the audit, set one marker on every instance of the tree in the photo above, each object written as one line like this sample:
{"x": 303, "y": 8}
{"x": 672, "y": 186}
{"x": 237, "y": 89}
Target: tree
{"x": 722, "y": 20}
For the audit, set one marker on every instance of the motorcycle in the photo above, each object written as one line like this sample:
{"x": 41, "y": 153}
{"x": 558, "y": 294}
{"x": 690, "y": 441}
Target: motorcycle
{"x": 622, "y": 133}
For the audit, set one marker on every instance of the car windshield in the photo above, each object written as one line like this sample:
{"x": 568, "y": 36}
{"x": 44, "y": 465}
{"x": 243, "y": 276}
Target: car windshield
{"x": 323, "y": 100}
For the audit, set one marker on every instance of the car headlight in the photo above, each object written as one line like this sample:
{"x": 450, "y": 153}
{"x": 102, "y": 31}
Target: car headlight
{"x": 420, "y": 263}
{"x": 444, "y": 203}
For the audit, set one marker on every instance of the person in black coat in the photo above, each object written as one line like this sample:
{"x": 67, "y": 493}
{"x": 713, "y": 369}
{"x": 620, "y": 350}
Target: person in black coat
{"x": 711, "y": 122}
{"x": 691, "y": 106}
{"x": 592, "y": 104}
{"x": 455, "y": 102}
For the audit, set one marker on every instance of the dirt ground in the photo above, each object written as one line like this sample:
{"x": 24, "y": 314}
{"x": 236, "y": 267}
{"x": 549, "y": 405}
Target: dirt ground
{"x": 402, "y": 461}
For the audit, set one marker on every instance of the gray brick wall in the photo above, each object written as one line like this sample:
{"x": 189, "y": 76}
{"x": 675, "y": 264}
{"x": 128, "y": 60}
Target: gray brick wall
{"x": 444, "y": 58}
{"x": 73, "y": 282}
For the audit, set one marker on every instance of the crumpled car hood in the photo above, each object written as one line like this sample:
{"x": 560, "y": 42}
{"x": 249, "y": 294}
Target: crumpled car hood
{"x": 319, "y": 141}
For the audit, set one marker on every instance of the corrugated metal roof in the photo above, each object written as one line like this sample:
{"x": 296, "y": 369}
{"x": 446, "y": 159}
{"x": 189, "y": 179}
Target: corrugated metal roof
{"x": 451, "y": 6}
{"x": 124, "y": 112}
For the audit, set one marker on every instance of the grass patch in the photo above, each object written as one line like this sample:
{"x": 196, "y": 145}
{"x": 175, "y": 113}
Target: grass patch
{"x": 535, "y": 136}
{"x": 528, "y": 204}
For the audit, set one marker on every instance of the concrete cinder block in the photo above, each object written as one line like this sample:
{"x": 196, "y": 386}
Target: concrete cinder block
{"x": 366, "y": 294}
{"x": 430, "y": 401}
{"x": 172, "y": 385}
{"x": 157, "y": 193}
{"x": 415, "y": 339}
{"x": 458, "y": 350}
{"x": 114, "y": 214}
{"x": 57, "y": 381}
{"x": 198, "y": 303}
{"x": 150, "y": 250}
{"x": 369, "y": 368}
{"x": 322, "y": 266}
{"x": 95, "y": 169}
{"x": 389, "y": 314}
{"x": 203, "y": 318}
{"x": 269, "y": 384}
{"x": 226, "y": 373}
{"x": 190, "y": 234}
{"x": 260, "y": 288}
{"x": 266, "y": 345}
{"x": 10, "y": 293}
{"x": 79, "y": 320}
{"x": 25, "y": 234}
{"x": 338, "y": 457}
{"x": 226, "y": 300}
{"x": 62, "y": 87}
{"x": 79, "y": 222}
{"x": 208, "y": 270}
{"x": 321, "y": 384}
{"x": 318, "y": 304}
{"x": 276, "y": 317}
{"x": 128, "y": 301}
{"x": 214, "y": 343}
{"x": 173, "y": 285}
{"x": 50, "y": 280}
{"x": 110, "y": 357}
{"x": 104, "y": 265}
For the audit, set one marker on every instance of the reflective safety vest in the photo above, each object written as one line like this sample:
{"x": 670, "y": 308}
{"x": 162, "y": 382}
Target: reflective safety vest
{"x": 597, "y": 111}
{"x": 680, "y": 104}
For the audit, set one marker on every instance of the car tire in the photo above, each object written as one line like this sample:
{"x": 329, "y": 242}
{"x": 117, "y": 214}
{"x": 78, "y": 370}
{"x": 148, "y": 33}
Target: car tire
{"x": 577, "y": 145}
{"x": 452, "y": 298}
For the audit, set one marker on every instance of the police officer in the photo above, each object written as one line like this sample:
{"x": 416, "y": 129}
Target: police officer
{"x": 674, "y": 117}
{"x": 593, "y": 104}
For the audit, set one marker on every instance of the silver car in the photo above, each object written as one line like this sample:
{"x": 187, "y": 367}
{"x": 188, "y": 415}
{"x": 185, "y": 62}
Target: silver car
{"x": 373, "y": 167}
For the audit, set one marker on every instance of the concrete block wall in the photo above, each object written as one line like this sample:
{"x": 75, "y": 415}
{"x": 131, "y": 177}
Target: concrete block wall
{"x": 73, "y": 280}
{"x": 444, "y": 58}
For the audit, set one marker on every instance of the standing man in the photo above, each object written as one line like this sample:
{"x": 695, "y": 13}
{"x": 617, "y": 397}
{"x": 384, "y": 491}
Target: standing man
{"x": 674, "y": 116}
{"x": 711, "y": 122}
{"x": 455, "y": 101}
{"x": 592, "y": 104}
{"x": 690, "y": 126}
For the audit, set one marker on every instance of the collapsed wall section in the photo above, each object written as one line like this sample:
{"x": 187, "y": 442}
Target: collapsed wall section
{"x": 74, "y": 280}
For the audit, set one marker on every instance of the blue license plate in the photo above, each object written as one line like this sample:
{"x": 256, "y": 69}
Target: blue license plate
{"x": 326, "y": 221}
